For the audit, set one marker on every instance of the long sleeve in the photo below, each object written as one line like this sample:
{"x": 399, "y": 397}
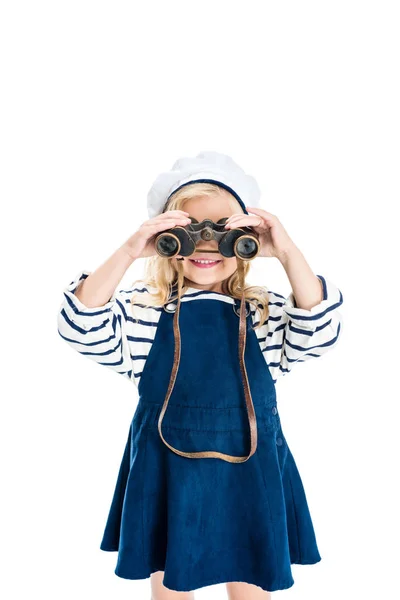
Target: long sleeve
{"x": 108, "y": 334}
{"x": 291, "y": 334}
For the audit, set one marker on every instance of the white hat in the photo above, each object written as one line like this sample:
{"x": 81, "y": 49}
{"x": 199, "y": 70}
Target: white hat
{"x": 206, "y": 167}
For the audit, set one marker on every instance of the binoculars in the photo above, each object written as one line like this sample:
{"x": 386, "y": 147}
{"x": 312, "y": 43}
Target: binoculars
{"x": 241, "y": 242}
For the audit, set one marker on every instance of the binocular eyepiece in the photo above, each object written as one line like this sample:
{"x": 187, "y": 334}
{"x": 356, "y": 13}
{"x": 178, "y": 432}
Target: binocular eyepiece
{"x": 241, "y": 241}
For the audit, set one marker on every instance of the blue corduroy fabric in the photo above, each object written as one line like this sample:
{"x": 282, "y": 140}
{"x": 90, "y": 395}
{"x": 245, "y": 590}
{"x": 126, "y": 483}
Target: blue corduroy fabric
{"x": 207, "y": 521}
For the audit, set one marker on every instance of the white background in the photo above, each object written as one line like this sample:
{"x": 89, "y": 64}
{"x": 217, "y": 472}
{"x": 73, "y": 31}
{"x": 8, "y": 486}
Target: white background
{"x": 97, "y": 98}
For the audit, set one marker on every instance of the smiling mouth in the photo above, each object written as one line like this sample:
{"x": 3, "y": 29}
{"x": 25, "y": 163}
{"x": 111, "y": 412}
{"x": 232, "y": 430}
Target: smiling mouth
{"x": 204, "y": 263}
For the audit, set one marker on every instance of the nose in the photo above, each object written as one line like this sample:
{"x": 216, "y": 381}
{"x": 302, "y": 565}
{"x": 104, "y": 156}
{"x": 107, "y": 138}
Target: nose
{"x": 207, "y": 250}
{"x": 207, "y": 246}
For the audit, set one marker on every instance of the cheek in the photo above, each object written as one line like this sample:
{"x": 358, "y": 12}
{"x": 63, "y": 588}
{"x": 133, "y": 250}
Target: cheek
{"x": 229, "y": 265}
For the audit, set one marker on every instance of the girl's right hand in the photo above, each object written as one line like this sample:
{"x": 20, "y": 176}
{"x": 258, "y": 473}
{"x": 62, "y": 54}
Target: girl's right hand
{"x": 141, "y": 243}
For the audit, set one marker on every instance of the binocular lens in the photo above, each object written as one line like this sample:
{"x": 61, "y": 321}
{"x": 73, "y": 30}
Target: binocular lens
{"x": 167, "y": 245}
{"x": 246, "y": 247}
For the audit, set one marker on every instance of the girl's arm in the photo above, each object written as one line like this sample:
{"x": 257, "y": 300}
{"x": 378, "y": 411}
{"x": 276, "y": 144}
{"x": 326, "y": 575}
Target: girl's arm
{"x": 304, "y": 325}
{"x": 97, "y": 289}
{"x": 95, "y": 318}
{"x": 307, "y": 288}
{"x": 307, "y": 323}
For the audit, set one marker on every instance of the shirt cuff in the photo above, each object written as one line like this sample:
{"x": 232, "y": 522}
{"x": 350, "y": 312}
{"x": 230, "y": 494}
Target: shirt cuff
{"x": 319, "y": 314}
{"x": 77, "y": 310}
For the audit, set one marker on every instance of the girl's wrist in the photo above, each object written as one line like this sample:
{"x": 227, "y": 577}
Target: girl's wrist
{"x": 284, "y": 256}
{"x": 129, "y": 251}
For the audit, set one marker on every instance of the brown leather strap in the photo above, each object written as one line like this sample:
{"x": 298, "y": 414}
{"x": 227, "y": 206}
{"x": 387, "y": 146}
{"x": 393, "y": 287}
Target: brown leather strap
{"x": 247, "y": 393}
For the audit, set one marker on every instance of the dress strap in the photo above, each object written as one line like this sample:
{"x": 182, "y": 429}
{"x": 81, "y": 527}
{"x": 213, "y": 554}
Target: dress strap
{"x": 247, "y": 393}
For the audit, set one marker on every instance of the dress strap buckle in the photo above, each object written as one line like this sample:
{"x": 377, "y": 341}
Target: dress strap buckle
{"x": 170, "y": 307}
{"x": 236, "y": 307}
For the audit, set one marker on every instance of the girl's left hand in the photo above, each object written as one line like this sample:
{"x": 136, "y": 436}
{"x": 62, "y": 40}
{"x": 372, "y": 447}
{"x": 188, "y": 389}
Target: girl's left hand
{"x": 274, "y": 239}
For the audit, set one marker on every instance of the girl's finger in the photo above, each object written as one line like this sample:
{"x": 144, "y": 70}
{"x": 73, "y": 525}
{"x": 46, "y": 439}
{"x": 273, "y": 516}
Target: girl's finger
{"x": 239, "y": 216}
{"x": 164, "y": 223}
{"x": 236, "y": 217}
{"x": 180, "y": 218}
{"x": 247, "y": 219}
{"x": 260, "y": 211}
{"x": 172, "y": 213}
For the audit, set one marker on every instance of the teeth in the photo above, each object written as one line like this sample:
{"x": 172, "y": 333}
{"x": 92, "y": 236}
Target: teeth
{"x": 205, "y": 261}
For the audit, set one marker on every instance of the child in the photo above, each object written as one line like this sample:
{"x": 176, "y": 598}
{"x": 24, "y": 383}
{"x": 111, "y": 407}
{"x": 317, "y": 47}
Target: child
{"x": 204, "y": 498}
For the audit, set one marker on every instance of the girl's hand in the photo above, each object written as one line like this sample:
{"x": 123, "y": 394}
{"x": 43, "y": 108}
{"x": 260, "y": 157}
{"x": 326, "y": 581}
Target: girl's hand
{"x": 141, "y": 243}
{"x": 274, "y": 239}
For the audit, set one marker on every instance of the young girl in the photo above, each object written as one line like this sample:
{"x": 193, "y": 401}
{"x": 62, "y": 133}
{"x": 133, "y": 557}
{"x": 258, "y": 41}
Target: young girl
{"x": 208, "y": 490}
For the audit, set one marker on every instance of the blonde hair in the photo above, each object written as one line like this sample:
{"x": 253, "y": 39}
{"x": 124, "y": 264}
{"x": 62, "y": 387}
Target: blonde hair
{"x": 161, "y": 274}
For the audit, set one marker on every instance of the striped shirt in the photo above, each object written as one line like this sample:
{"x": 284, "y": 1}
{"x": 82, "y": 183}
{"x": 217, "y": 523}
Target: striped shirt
{"x": 111, "y": 336}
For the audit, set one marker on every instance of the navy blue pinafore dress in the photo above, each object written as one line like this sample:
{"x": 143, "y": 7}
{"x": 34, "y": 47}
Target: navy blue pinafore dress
{"x": 206, "y": 521}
